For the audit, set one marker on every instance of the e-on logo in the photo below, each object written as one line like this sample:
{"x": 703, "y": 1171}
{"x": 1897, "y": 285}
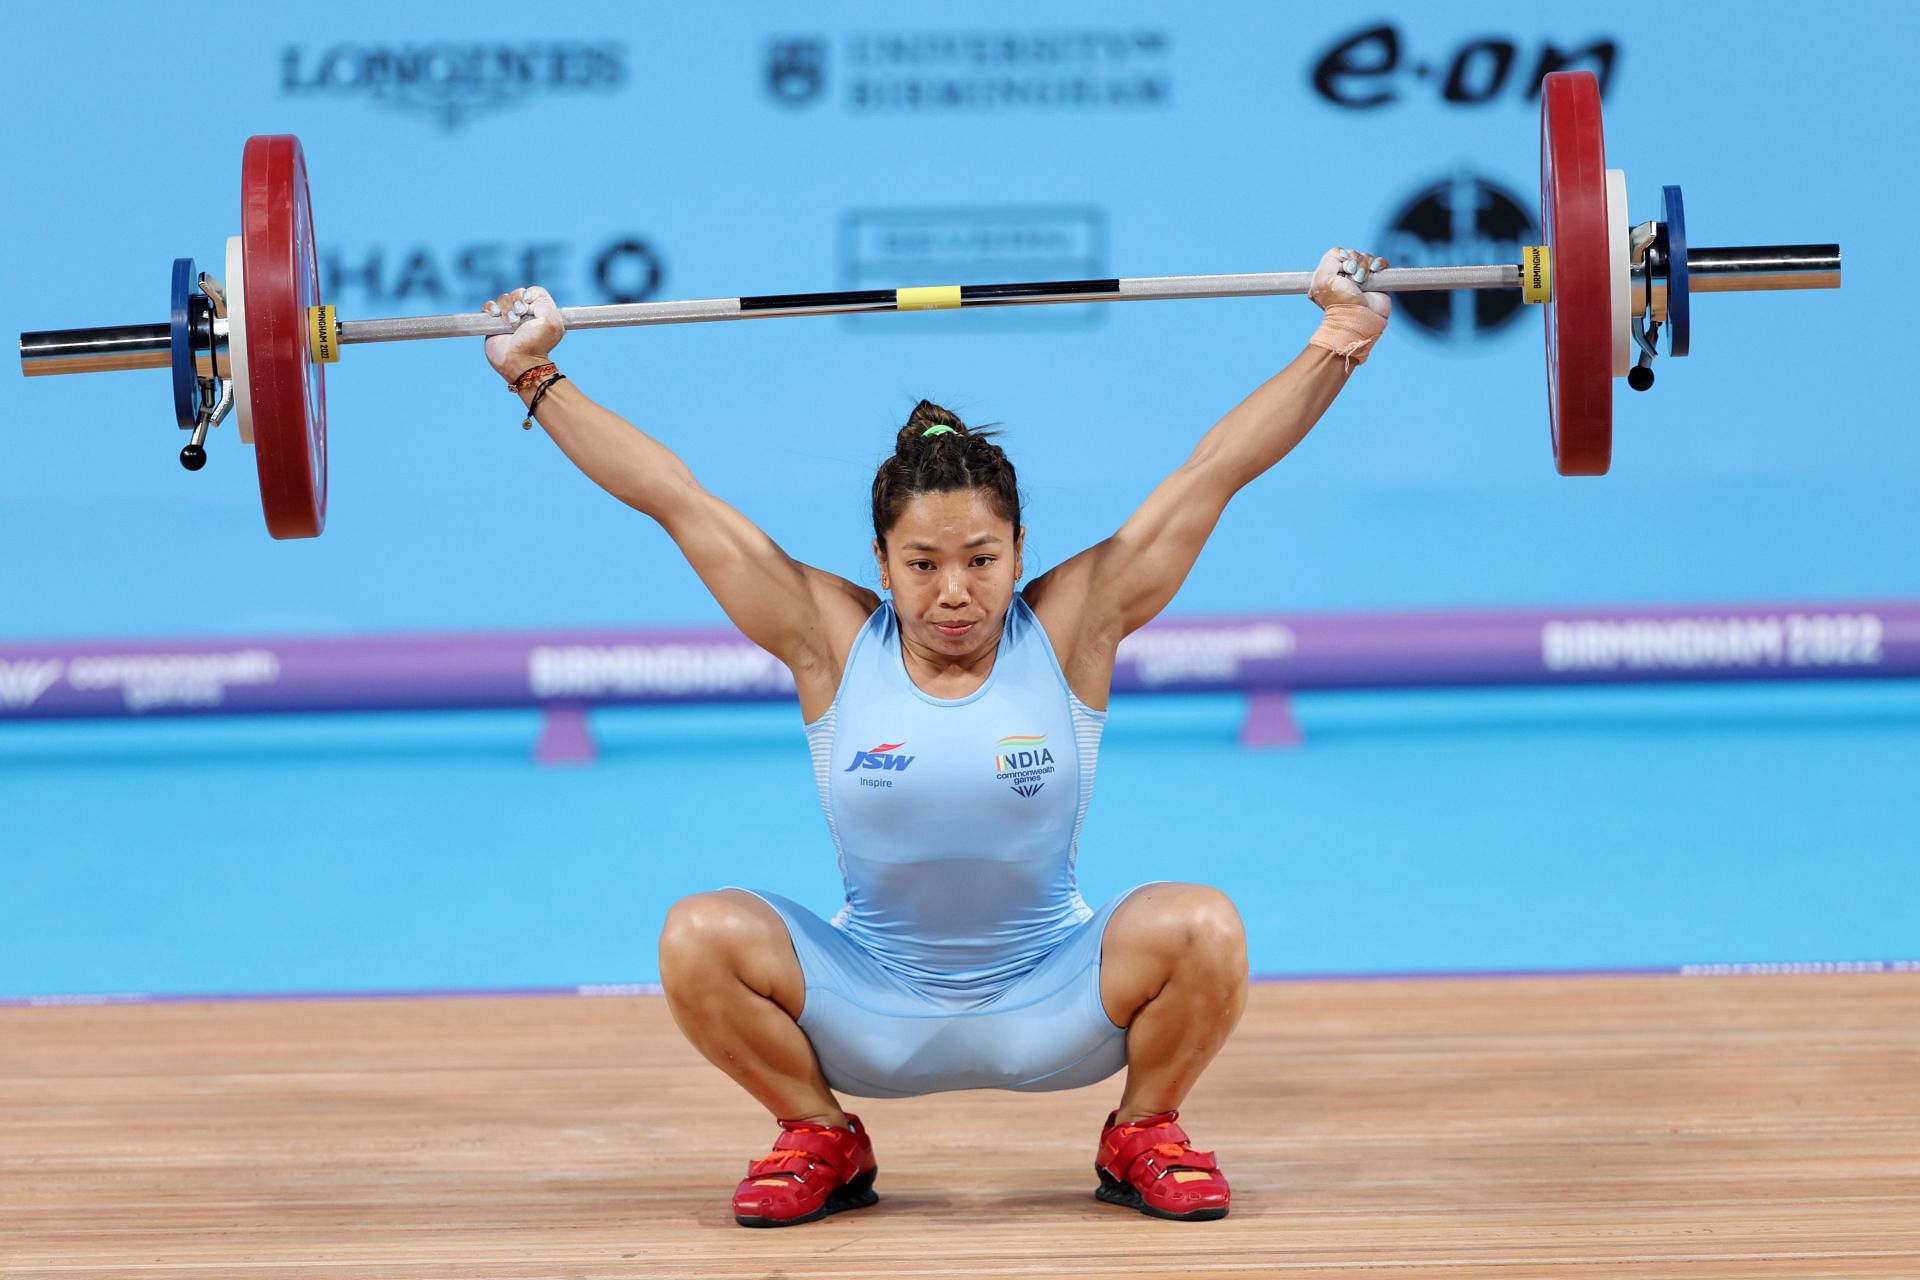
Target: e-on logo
{"x": 1023, "y": 760}
{"x": 1463, "y": 218}
{"x": 1365, "y": 70}
{"x": 880, "y": 757}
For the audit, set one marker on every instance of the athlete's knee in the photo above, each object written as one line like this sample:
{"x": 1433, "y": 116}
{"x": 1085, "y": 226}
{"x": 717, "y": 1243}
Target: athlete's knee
{"x": 1195, "y": 925}
{"x": 717, "y": 936}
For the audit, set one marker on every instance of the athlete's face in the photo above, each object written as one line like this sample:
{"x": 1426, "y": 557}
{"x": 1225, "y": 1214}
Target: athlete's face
{"x": 951, "y": 562}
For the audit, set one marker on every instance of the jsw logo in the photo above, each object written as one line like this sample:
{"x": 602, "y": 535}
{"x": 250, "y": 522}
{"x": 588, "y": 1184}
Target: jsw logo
{"x": 880, "y": 757}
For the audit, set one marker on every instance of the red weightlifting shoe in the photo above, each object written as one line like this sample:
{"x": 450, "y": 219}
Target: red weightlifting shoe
{"x": 1149, "y": 1165}
{"x": 812, "y": 1171}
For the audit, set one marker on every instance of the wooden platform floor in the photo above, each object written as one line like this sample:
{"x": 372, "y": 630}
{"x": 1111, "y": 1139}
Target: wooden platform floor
{"x": 1583, "y": 1127}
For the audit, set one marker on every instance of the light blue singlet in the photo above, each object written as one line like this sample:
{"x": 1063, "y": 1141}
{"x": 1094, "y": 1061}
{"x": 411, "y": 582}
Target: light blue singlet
{"x": 964, "y": 957}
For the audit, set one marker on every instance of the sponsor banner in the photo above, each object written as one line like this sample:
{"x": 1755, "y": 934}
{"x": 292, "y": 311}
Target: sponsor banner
{"x": 371, "y": 673}
{"x": 619, "y": 268}
{"x": 1525, "y": 647}
{"x": 649, "y": 670}
{"x": 1775, "y": 968}
{"x": 200, "y": 679}
{"x": 977, "y": 70}
{"x": 1336, "y": 651}
{"x": 989, "y": 244}
{"x": 1381, "y": 66}
{"x": 450, "y": 82}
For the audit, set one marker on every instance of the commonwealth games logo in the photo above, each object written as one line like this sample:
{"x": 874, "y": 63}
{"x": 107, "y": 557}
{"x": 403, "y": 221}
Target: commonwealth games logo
{"x": 1018, "y": 750}
{"x": 1023, "y": 760}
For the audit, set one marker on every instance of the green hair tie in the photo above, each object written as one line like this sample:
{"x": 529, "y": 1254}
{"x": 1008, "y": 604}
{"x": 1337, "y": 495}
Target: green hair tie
{"x": 942, "y": 430}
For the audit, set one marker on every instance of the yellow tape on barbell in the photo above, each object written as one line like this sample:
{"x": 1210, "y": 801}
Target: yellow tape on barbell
{"x": 939, "y": 297}
{"x": 323, "y": 335}
{"x": 1536, "y": 273}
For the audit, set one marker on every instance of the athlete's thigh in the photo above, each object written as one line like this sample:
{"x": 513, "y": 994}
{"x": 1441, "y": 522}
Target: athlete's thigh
{"x": 818, "y": 958}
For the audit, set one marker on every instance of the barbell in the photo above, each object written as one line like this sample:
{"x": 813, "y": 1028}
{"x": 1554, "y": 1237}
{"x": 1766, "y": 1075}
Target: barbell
{"x": 257, "y": 343}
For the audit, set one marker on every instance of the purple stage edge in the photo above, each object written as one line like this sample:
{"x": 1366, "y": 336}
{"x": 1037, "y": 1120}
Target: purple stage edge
{"x": 229, "y": 676}
{"x": 1780, "y": 968}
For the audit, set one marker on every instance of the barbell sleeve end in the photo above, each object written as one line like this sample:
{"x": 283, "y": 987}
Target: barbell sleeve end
{"x": 1756, "y": 268}
{"x": 101, "y": 350}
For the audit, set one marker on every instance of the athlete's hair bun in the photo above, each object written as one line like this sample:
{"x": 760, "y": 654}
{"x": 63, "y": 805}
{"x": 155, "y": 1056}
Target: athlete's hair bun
{"x": 927, "y": 416}
{"x": 936, "y": 452}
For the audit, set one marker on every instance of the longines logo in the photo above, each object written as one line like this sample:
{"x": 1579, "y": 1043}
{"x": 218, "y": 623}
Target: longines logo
{"x": 451, "y": 82}
{"x": 914, "y": 71}
{"x": 1460, "y": 220}
{"x": 624, "y": 269}
{"x": 892, "y": 248}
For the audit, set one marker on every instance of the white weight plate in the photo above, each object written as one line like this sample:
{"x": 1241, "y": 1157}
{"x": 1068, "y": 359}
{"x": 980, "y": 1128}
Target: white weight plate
{"x": 237, "y": 339}
{"x": 1620, "y": 270}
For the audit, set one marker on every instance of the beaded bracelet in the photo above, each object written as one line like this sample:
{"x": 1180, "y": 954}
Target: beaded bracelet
{"x": 534, "y": 404}
{"x": 525, "y": 380}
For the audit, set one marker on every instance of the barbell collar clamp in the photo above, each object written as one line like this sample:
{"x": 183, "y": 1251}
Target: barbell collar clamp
{"x": 194, "y": 455}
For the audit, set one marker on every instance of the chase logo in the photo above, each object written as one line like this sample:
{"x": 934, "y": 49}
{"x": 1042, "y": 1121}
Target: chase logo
{"x": 884, "y": 756}
{"x": 1023, "y": 760}
{"x": 627, "y": 268}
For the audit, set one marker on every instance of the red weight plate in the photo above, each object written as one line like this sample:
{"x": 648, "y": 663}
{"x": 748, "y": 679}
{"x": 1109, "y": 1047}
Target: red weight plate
{"x": 289, "y": 395}
{"x": 1573, "y": 216}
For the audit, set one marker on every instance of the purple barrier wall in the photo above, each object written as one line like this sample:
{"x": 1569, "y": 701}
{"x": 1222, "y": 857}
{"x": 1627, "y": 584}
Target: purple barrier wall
{"x": 1244, "y": 655}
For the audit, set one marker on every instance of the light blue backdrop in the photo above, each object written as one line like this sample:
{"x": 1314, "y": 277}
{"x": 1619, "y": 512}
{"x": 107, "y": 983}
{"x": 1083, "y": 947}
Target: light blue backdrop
{"x": 1778, "y": 462}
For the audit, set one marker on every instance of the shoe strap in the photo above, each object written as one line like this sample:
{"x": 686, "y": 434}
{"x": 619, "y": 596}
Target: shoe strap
{"x": 802, "y": 1147}
{"x": 1155, "y": 1147}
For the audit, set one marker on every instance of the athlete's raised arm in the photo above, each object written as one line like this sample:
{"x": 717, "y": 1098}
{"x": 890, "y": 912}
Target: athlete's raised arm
{"x": 1092, "y": 601}
{"x": 804, "y": 616}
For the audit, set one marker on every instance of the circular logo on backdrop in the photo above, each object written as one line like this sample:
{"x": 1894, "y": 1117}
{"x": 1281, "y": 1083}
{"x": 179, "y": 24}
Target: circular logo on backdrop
{"x": 1461, "y": 220}
{"x": 628, "y": 271}
{"x": 796, "y": 70}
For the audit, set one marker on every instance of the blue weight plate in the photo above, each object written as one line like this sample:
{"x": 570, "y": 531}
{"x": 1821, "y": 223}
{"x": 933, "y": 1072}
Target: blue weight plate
{"x": 186, "y": 390}
{"x": 1679, "y": 319}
